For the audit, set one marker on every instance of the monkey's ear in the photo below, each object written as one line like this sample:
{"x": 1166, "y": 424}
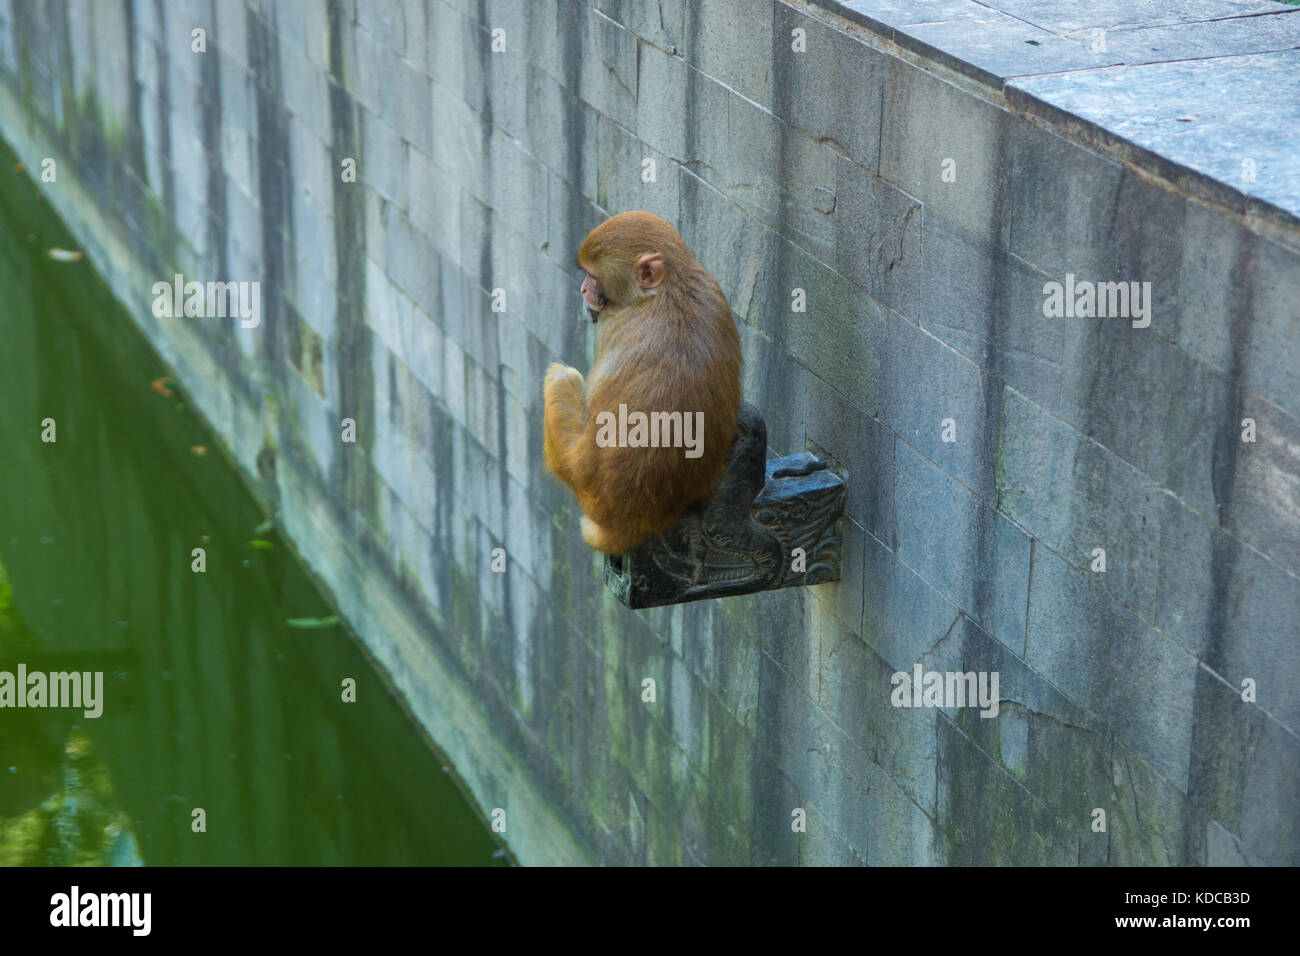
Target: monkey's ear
{"x": 649, "y": 270}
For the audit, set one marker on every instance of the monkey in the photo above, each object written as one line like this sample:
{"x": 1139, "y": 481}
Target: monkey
{"x": 666, "y": 343}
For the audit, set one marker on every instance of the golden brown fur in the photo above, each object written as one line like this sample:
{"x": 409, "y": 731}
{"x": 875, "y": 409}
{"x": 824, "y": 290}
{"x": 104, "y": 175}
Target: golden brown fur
{"x": 671, "y": 346}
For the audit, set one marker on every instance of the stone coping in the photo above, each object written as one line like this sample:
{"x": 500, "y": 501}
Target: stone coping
{"x": 1204, "y": 93}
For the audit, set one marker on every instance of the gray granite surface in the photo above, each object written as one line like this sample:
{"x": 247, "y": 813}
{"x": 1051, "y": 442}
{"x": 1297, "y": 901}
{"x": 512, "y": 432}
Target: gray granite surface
{"x": 1063, "y": 16}
{"x": 1209, "y": 89}
{"x": 1223, "y": 117}
{"x": 1204, "y": 39}
{"x": 996, "y": 47}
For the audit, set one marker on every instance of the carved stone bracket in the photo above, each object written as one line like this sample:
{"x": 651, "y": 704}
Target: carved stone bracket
{"x": 744, "y": 539}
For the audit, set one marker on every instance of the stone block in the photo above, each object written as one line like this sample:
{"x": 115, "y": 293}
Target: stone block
{"x": 860, "y": 447}
{"x": 382, "y": 165}
{"x": 733, "y": 41}
{"x": 878, "y": 238}
{"x": 987, "y": 304}
{"x": 976, "y": 557}
{"x": 1231, "y": 607}
{"x": 1244, "y": 774}
{"x": 1110, "y": 662}
{"x": 904, "y": 616}
{"x": 840, "y": 334}
{"x": 781, "y": 177}
{"x": 1127, "y": 13}
{"x": 1148, "y": 817}
{"x": 923, "y": 382}
{"x": 1076, "y": 496}
{"x": 996, "y": 47}
{"x": 624, "y": 178}
{"x": 1055, "y": 749}
{"x": 946, "y": 148}
{"x": 680, "y": 111}
{"x": 568, "y": 142}
{"x": 854, "y": 690}
{"x": 832, "y": 90}
{"x": 1162, "y": 112}
{"x": 987, "y": 818}
{"x": 663, "y": 25}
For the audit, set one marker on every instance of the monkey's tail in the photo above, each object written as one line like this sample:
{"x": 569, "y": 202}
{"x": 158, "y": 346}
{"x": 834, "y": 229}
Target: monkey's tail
{"x": 610, "y": 540}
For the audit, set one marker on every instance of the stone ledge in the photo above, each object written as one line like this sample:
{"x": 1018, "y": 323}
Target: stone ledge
{"x": 1189, "y": 91}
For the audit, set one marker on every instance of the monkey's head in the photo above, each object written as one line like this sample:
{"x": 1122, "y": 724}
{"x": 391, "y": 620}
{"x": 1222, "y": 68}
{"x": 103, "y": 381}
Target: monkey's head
{"x": 626, "y": 258}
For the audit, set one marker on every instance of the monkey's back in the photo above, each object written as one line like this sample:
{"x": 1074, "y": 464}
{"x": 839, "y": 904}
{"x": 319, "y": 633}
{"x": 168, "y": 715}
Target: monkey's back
{"x": 651, "y": 361}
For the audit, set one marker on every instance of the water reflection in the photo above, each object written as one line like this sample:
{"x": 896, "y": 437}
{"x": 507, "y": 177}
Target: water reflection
{"x": 212, "y": 699}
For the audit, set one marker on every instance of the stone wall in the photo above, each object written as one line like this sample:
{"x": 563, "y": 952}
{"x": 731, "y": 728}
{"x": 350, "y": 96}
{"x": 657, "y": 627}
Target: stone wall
{"x": 827, "y": 169}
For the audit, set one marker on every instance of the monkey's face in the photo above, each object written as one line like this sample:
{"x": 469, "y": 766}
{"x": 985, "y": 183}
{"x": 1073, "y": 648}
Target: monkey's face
{"x": 594, "y": 297}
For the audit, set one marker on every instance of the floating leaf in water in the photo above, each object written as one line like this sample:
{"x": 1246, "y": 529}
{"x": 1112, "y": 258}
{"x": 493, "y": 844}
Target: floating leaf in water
{"x": 265, "y": 527}
{"x": 261, "y": 544}
{"x": 310, "y": 622}
{"x": 199, "y": 450}
{"x": 159, "y": 385}
{"x": 66, "y": 255}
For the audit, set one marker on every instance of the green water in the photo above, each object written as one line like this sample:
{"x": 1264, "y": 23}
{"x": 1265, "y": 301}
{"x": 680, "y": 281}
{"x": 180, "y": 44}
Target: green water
{"x": 210, "y": 700}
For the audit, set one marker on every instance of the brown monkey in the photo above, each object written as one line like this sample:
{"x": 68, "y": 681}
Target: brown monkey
{"x": 651, "y": 429}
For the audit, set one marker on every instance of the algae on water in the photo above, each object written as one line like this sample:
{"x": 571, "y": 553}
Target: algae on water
{"x": 80, "y": 825}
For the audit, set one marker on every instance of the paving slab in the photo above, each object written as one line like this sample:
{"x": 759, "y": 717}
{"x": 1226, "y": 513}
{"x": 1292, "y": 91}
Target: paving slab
{"x": 1205, "y": 93}
{"x": 1052, "y": 15}
{"x": 883, "y": 16}
{"x": 1227, "y": 118}
{"x": 995, "y": 47}
{"x": 1064, "y": 17}
{"x": 1202, "y": 40}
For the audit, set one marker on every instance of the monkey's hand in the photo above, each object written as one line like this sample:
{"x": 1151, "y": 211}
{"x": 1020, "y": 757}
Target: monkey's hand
{"x": 566, "y": 416}
{"x": 559, "y": 372}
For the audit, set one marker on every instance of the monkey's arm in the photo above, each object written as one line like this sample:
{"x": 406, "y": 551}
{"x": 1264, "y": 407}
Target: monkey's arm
{"x": 566, "y": 417}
